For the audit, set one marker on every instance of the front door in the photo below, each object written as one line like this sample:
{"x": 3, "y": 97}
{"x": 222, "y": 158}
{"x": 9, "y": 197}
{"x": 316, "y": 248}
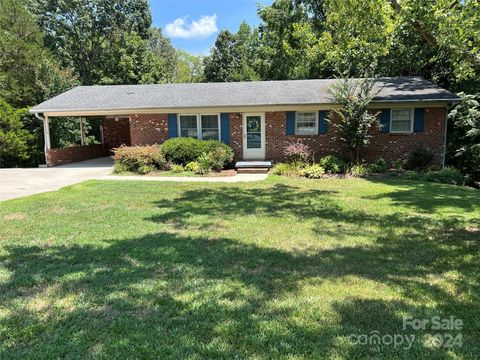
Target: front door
{"x": 254, "y": 136}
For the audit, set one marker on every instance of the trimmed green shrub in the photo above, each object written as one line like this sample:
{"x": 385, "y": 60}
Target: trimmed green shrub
{"x": 333, "y": 165}
{"x": 220, "y": 157}
{"x": 182, "y": 150}
{"x": 419, "y": 159}
{"x": 287, "y": 169}
{"x": 192, "y": 166}
{"x": 204, "y": 163}
{"x": 176, "y": 168}
{"x": 412, "y": 175}
{"x": 379, "y": 166}
{"x": 359, "y": 170}
{"x": 447, "y": 175}
{"x": 314, "y": 171}
{"x": 141, "y": 159}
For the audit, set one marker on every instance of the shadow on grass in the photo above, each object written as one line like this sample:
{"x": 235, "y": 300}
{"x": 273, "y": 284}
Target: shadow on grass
{"x": 170, "y": 295}
{"x": 428, "y": 197}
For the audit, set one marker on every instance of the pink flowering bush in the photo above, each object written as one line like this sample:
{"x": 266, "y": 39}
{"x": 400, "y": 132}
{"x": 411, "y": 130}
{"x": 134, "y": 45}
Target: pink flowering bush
{"x": 298, "y": 152}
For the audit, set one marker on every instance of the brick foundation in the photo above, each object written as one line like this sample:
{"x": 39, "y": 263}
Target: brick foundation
{"x": 74, "y": 154}
{"x": 148, "y": 129}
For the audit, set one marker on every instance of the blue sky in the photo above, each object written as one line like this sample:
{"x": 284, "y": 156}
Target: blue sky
{"x": 193, "y": 25}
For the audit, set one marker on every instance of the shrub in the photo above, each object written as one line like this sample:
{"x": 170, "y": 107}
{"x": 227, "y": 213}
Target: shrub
{"x": 297, "y": 152}
{"x": 359, "y": 170}
{"x": 145, "y": 169}
{"x": 333, "y": 165}
{"x": 398, "y": 164}
{"x": 412, "y": 175}
{"x": 314, "y": 171}
{"x": 447, "y": 175}
{"x": 192, "y": 166}
{"x": 204, "y": 163}
{"x": 176, "y": 168}
{"x": 419, "y": 159}
{"x": 220, "y": 157}
{"x": 287, "y": 169}
{"x": 182, "y": 150}
{"x": 379, "y": 166}
{"x": 141, "y": 159}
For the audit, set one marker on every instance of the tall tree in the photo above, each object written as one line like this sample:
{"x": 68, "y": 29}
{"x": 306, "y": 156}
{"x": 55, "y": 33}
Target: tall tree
{"x": 80, "y": 32}
{"x": 282, "y": 54}
{"x": 162, "y": 48}
{"x": 190, "y": 67}
{"x": 21, "y": 53}
{"x": 453, "y": 26}
{"x": 14, "y": 139}
{"x": 233, "y": 56}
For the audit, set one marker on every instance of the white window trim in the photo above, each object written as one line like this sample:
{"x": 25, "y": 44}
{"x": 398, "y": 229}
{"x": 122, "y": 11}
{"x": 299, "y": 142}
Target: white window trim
{"x": 199, "y": 124}
{"x": 315, "y": 132}
{"x": 411, "y": 121}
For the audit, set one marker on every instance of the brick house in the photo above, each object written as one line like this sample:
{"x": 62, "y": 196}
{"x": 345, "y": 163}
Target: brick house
{"x": 257, "y": 119}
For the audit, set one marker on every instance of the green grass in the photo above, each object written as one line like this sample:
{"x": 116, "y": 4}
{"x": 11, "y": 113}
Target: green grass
{"x": 286, "y": 268}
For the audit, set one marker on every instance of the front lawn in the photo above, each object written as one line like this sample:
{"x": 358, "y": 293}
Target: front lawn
{"x": 286, "y": 268}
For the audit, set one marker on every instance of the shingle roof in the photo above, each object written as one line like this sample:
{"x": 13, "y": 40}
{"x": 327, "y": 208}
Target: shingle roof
{"x": 255, "y": 93}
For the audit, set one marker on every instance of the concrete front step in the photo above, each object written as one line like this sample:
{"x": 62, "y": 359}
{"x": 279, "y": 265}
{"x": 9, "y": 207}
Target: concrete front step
{"x": 252, "y": 170}
{"x": 253, "y": 164}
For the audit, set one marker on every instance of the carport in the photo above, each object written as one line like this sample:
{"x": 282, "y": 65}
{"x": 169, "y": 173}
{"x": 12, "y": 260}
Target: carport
{"x": 114, "y": 132}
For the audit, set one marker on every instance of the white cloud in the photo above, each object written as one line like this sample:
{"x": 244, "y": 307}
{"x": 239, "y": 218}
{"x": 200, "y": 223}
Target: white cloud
{"x": 204, "y": 27}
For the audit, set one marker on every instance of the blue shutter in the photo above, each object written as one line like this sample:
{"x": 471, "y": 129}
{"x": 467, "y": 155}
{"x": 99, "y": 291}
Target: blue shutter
{"x": 322, "y": 122}
{"x": 290, "y": 123}
{"x": 172, "y": 125}
{"x": 419, "y": 120}
{"x": 385, "y": 121}
{"x": 225, "y": 127}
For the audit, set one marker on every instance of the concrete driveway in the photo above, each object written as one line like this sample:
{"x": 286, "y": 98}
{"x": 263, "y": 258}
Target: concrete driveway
{"x": 15, "y": 183}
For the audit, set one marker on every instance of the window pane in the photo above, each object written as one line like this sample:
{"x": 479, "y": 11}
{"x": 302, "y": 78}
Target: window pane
{"x": 210, "y": 127}
{"x": 401, "y": 125}
{"x": 254, "y": 140}
{"x": 306, "y": 123}
{"x": 188, "y": 126}
{"x": 401, "y": 120}
{"x": 398, "y": 114}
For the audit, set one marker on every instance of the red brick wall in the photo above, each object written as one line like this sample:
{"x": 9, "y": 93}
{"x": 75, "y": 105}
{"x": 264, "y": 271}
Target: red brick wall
{"x": 389, "y": 146}
{"x": 148, "y": 129}
{"x": 116, "y": 132}
{"x": 73, "y": 154}
{"x": 397, "y": 146}
{"x": 236, "y": 134}
{"x": 276, "y": 138}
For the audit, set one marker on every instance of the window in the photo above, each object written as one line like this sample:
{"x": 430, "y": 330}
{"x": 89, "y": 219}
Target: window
{"x": 401, "y": 121}
{"x": 306, "y": 123}
{"x": 209, "y": 125}
{"x": 199, "y": 126}
{"x": 188, "y": 126}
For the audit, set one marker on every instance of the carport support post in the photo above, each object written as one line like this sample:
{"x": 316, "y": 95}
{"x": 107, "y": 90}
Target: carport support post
{"x": 46, "y": 133}
{"x": 82, "y": 134}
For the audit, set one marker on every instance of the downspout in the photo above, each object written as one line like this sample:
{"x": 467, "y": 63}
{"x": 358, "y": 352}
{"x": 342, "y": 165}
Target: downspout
{"x": 45, "y": 147}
